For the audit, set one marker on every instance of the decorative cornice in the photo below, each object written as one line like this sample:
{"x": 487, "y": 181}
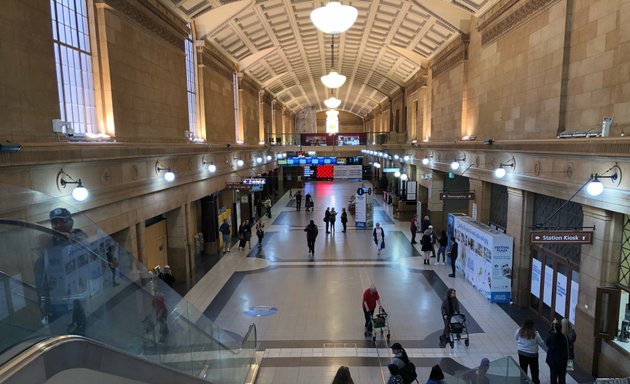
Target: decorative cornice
{"x": 208, "y": 56}
{"x": 152, "y": 17}
{"x": 508, "y": 17}
{"x": 455, "y": 53}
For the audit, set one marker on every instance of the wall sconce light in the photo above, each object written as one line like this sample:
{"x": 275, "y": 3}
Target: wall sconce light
{"x": 406, "y": 157}
{"x": 268, "y": 157}
{"x": 469, "y": 138}
{"x": 259, "y": 160}
{"x": 79, "y": 193}
{"x": 240, "y": 162}
{"x": 404, "y": 177}
{"x": 397, "y": 174}
{"x": 396, "y": 157}
{"x": 168, "y": 175}
{"x": 210, "y": 165}
{"x": 425, "y": 160}
{"x": 594, "y": 187}
{"x": 414, "y": 141}
{"x": 455, "y": 163}
{"x": 376, "y": 165}
{"x": 499, "y": 173}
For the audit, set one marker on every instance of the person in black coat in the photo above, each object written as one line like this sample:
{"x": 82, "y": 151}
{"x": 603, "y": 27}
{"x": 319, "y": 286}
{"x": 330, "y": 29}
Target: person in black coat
{"x": 344, "y": 219}
{"x": 298, "y": 200}
{"x": 311, "y": 235}
{"x": 453, "y": 255}
{"x": 557, "y": 354}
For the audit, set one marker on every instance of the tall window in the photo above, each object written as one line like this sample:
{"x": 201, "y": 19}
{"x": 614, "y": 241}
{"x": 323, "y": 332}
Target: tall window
{"x": 624, "y": 268}
{"x": 73, "y": 59}
{"x": 190, "y": 85}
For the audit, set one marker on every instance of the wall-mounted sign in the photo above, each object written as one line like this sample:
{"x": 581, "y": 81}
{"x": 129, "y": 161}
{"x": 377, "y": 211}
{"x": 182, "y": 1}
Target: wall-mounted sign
{"x": 255, "y": 181}
{"x": 391, "y": 170}
{"x": 554, "y": 237}
{"x": 237, "y": 186}
{"x": 457, "y": 195}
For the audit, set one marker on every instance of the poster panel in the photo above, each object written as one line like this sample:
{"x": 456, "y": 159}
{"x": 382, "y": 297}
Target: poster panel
{"x": 561, "y": 294}
{"x": 361, "y": 211}
{"x": 536, "y": 271}
{"x": 348, "y": 172}
{"x": 575, "y": 288}
{"x": 548, "y": 285}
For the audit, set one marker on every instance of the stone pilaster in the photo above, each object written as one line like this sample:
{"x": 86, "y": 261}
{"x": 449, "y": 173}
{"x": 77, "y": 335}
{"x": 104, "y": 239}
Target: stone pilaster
{"x": 520, "y": 206}
{"x": 482, "y": 199}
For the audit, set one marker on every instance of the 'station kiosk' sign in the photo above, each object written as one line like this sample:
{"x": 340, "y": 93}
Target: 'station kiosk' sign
{"x": 485, "y": 258}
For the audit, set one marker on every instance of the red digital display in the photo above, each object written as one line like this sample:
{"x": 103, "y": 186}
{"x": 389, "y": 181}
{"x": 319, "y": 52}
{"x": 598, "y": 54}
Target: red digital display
{"x": 325, "y": 171}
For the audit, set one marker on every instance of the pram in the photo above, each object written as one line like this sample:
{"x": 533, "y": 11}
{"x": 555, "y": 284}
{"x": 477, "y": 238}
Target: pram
{"x": 457, "y": 330}
{"x": 379, "y": 321}
{"x": 308, "y": 205}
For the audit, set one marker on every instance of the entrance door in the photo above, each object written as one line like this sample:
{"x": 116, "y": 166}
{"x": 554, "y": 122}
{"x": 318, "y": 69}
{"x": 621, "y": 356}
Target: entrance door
{"x": 554, "y": 285}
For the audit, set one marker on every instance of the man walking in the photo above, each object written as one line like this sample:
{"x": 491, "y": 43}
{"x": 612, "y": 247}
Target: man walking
{"x": 311, "y": 235}
{"x": 327, "y": 219}
{"x": 453, "y": 255}
{"x": 227, "y": 236}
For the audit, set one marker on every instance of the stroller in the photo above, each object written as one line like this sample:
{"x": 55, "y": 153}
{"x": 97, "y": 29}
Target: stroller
{"x": 457, "y": 329}
{"x": 379, "y": 321}
{"x": 308, "y": 205}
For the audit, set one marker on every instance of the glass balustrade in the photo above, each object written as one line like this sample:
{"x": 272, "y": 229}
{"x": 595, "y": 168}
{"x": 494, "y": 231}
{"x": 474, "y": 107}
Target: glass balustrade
{"x": 60, "y": 274}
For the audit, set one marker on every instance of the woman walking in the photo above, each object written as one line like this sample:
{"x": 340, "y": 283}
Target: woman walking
{"x": 557, "y": 354}
{"x": 344, "y": 219}
{"x": 527, "y": 341}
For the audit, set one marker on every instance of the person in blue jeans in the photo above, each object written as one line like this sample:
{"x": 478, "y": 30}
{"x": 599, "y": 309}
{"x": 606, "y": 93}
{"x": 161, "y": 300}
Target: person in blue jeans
{"x": 443, "y": 242}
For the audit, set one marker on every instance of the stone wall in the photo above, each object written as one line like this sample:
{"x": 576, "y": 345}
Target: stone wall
{"x": 28, "y": 83}
{"x": 147, "y": 73}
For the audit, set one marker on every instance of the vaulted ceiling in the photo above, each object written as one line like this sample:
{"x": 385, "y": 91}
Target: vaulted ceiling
{"x": 275, "y": 43}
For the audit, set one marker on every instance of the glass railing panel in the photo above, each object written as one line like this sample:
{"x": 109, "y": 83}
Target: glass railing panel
{"x": 502, "y": 371}
{"x": 60, "y": 274}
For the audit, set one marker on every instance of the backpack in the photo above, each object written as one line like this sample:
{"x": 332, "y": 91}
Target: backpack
{"x": 408, "y": 373}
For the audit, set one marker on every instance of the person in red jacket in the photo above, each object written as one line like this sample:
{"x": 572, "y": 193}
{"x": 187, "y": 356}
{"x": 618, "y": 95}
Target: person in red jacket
{"x": 370, "y": 299}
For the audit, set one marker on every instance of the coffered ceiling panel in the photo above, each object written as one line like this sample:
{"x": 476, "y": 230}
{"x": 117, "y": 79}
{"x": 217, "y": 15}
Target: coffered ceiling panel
{"x": 275, "y": 43}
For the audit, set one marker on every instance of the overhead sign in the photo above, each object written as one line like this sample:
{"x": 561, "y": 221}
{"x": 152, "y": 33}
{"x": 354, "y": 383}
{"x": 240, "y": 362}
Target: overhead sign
{"x": 457, "y": 195}
{"x": 255, "y": 181}
{"x": 238, "y": 186}
{"x": 555, "y": 237}
{"x": 391, "y": 170}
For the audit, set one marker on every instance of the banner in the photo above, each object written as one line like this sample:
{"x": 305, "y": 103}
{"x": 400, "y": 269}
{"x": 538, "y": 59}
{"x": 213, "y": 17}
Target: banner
{"x": 363, "y": 206}
{"x": 348, "y": 172}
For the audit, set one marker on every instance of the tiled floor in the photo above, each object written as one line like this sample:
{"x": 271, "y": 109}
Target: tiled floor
{"x": 318, "y": 325}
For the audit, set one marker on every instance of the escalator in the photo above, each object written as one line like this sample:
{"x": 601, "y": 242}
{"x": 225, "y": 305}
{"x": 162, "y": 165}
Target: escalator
{"x": 75, "y": 302}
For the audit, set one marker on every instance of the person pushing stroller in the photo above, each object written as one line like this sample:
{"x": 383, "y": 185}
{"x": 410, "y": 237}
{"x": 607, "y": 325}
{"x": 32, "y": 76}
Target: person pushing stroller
{"x": 450, "y": 307}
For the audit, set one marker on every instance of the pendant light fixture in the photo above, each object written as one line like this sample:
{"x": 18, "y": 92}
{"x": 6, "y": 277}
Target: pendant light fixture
{"x": 334, "y": 18}
{"x": 333, "y": 79}
{"x": 332, "y": 121}
{"x": 332, "y": 102}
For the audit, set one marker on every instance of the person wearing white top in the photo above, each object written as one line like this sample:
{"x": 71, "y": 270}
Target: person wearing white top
{"x": 527, "y": 342}
{"x": 379, "y": 237}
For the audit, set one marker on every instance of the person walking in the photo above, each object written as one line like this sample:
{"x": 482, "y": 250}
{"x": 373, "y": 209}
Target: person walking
{"x": 226, "y": 232}
{"x": 308, "y": 202}
{"x": 436, "y": 376}
{"x": 298, "y": 200}
{"x": 333, "y": 219}
{"x": 166, "y": 275}
{"x": 311, "y": 235}
{"x": 267, "y": 204}
{"x": 394, "y": 374}
{"x": 426, "y": 222}
{"x": 450, "y": 307}
{"x": 327, "y": 219}
{"x": 443, "y": 242}
{"x": 260, "y": 232}
{"x": 426, "y": 246}
{"x": 370, "y": 299}
{"x": 453, "y": 255}
{"x": 433, "y": 240}
{"x": 379, "y": 238}
{"x": 244, "y": 235}
{"x": 344, "y": 219}
{"x": 413, "y": 228}
{"x": 557, "y": 354}
{"x": 527, "y": 341}
{"x": 258, "y": 206}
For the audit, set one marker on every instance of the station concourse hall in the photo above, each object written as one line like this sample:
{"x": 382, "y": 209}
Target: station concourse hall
{"x": 161, "y": 163}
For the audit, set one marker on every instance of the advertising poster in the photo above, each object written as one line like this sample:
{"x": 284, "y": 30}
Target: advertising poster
{"x": 361, "y": 212}
{"x": 548, "y": 285}
{"x": 348, "y": 172}
{"x": 536, "y": 271}
{"x": 575, "y": 288}
{"x": 561, "y": 294}
{"x": 485, "y": 258}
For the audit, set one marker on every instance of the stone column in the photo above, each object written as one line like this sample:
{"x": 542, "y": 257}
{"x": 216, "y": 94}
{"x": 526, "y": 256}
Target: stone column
{"x": 482, "y": 199}
{"x": 599, "y": 267}
{"x": 520, "y": 206}
{"x": 434, "y": 204}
